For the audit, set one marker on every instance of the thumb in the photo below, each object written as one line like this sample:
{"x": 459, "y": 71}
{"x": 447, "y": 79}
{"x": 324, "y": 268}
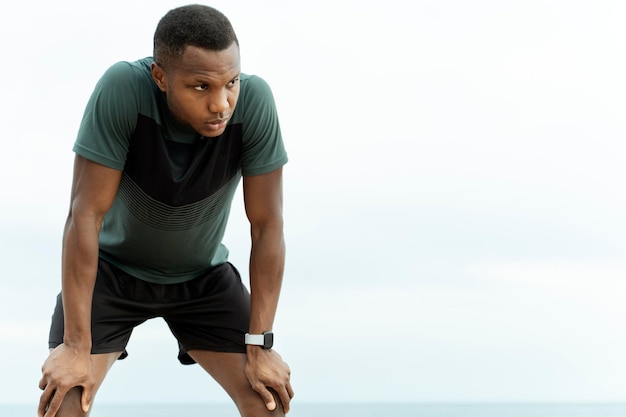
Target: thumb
{"x": 268, "y": 399}
{"x": 85, "y": 400}
{"x": 270, "y": 403}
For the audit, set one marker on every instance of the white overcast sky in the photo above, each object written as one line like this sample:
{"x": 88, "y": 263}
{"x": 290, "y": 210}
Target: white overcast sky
{"x": 454, "y": 199}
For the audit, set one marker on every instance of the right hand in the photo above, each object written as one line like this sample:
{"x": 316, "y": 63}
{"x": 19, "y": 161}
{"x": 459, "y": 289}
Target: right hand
{"x": 65, "y": 369}
{"x": 266, "y": 369}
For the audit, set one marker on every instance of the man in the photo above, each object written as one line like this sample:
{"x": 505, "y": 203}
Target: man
{"x": 160, "y": 151}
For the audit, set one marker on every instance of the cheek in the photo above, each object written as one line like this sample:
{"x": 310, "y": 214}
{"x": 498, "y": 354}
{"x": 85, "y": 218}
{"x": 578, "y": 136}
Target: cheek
{"x": 181, "y": 107}
{"x": 232, "y": 99}
{"x": 172, "y": 102}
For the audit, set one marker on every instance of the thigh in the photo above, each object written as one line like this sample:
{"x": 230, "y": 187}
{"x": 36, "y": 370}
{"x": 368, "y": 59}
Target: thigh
{"x": 211, "y": 312}
{"x": 115, "y": 312}
{"x": 228, "y": 369}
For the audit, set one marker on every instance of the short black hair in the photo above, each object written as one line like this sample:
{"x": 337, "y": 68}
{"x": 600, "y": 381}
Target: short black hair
{"x": 192, "y": 25}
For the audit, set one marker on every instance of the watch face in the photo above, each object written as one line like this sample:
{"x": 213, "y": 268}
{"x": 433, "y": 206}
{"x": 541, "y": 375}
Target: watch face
{"x": 268, "y": 340}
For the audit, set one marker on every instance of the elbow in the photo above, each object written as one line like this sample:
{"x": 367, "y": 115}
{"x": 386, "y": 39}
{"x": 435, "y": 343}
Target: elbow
{"x": 269, "y": 228}
{"x": 80, "y": 216}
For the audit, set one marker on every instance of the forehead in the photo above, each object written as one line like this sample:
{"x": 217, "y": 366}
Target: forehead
{"x": 205, "y": 63}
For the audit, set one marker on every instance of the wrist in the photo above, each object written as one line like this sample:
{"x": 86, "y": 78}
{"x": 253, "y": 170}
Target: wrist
{"x": 254, "y": 351}
{"x": 264, "y": 340}
{"x": 78, "y": 344}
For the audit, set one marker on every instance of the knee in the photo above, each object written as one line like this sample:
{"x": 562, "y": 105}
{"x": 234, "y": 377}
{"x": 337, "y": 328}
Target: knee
{"x": 258, "y": 411}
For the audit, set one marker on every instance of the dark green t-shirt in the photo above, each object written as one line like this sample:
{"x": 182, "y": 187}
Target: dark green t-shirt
{"x": 170, "y": 213}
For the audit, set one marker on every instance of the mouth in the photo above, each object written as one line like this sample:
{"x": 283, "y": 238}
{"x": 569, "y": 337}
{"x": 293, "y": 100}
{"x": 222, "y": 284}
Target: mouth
{"x": 217, "y": 124}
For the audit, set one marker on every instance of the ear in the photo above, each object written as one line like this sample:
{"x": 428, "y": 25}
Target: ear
{"x": 159, "y": 77}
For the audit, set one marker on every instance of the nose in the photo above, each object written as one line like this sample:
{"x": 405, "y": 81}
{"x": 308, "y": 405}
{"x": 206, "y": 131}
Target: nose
{"x": 218, "y": 102}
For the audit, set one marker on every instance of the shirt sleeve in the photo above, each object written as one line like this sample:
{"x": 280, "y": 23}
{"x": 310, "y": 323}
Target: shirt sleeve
{"x": 110, "y": 118}
{"x": 263, "y": 148}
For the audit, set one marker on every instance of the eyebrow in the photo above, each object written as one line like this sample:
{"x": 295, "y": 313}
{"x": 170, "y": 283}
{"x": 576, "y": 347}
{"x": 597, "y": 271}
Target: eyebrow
{"x": 200, "y": 79}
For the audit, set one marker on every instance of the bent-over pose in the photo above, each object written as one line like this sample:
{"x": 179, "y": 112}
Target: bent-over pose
{"x": 162, "y": 146}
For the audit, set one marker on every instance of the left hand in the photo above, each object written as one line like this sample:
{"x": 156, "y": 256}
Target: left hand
{"x": 266, "y": 369}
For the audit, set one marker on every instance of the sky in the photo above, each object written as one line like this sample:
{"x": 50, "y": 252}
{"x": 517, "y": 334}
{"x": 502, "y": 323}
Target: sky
{"x": 454, "y": 200}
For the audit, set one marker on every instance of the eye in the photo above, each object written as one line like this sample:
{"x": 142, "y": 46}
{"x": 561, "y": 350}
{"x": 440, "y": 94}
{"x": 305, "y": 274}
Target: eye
{"x": 202, "y": 87}
{"x": 233, "y": 82}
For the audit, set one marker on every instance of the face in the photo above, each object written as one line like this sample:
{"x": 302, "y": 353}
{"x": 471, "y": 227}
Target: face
{"x": 202, "y": 88}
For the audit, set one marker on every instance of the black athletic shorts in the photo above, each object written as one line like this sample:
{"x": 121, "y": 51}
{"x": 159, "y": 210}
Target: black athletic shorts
{"x": 210, "y": 312}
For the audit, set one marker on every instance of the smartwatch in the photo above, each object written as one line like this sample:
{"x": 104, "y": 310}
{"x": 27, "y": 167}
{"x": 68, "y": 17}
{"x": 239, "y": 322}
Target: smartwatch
{"x": 265, "y": 340}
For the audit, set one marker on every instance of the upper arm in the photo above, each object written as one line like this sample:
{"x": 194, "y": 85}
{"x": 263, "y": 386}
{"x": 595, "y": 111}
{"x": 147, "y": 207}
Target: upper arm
{"x": 263, "y": 198}
{"x": 263, "y": 149}
{"x": 111, "y": 115}
{"x": 94, "y": 188}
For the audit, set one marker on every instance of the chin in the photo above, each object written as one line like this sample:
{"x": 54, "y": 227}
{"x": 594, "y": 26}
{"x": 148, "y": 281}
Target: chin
{"x": 207, "y": 133}
{"x": 212, "y": 133}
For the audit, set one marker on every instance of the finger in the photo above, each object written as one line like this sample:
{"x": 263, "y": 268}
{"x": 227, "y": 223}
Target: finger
{"x": 85, "y": 400}
{"x": 284, "y": 396}
{"x": 55, "y": 403}
{"x": 43, "y": 383}
{"x": 270, "y": 403}
{"x": 266, "y": 395}
{"x": 290, "y": 390}
{"x": 43, "y": 402}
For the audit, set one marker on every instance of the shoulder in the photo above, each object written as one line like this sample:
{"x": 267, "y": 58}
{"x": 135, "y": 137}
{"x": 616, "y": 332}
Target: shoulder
{"x": 255, "y": 89}
{"x": 125, "y": 87}
{"x": 255, "y": 100}
{"x": 127, "y": 75}
{"x": 254, "y": 82}
{"x": 129, "y": 69}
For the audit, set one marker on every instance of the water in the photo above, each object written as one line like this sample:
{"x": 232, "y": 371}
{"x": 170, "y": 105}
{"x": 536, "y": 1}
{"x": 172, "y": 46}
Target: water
{"x": 347, "y": 410}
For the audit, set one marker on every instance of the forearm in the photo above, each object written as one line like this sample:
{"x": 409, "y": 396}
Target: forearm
{"x": 267, "y": 261}
{"x": 79, "y": 267}
{"x": 264, "y": 367}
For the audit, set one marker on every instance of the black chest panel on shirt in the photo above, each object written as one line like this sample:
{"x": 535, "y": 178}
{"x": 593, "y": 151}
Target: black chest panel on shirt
{"x": 176, "y": 173}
